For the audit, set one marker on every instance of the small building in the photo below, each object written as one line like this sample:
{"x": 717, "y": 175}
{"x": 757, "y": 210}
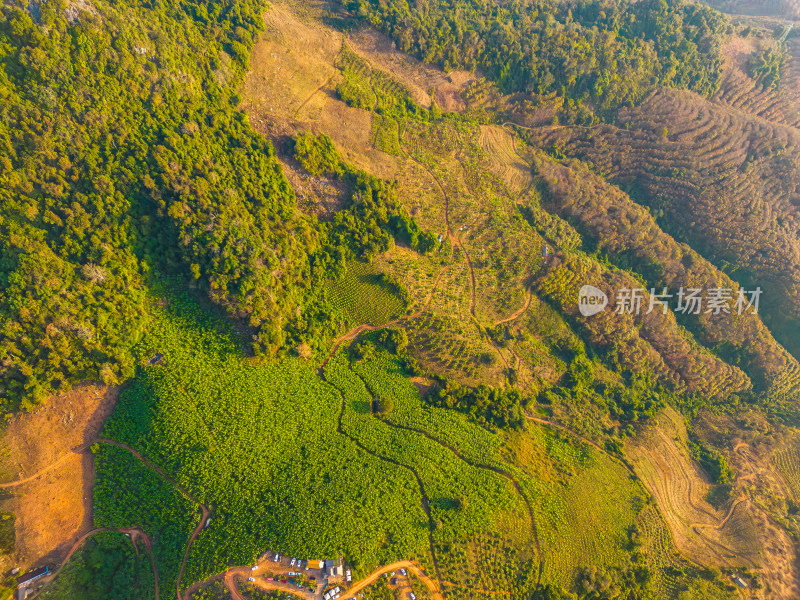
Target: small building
{"x": 739, "y": 581}
{"x": 334, "y": 568}
{"x": 31, "y": 576}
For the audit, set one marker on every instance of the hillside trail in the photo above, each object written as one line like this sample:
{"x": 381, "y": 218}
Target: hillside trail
{"x": 53, "y": 465}
{"x": 722, "y": 523}
{"x": 453, "y": 238}
{"x": 134, "y": 532}
{"x": 205, "y": 512}
{"x": 359, "y": 329}
{"x": 518, "y": 313}
{"x": 432, "y": 586}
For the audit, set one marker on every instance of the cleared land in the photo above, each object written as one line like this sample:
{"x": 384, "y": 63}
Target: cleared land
{"x": 53, "y": 507}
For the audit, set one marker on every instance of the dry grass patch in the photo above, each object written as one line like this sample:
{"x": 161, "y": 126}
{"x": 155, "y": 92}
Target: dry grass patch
{"x": 499, "y": 146}
{"x": 660, "y": 457}
{"x": 418, "y": 78}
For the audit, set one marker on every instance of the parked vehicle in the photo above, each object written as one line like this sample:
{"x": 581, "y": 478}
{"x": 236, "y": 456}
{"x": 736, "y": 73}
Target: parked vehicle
{"x": 251, "y": 579}
{"x": 291, "y": 564}
{"x": 277, "y": 558}
{"x": 403, "y": 572}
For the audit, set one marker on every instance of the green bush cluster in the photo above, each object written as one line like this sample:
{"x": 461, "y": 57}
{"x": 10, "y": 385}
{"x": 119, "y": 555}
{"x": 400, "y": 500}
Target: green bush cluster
{"x": 486, "y": 405}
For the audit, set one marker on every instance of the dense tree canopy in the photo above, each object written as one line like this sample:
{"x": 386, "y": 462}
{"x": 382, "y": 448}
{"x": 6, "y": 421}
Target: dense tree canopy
{"x": 605, "y": 53}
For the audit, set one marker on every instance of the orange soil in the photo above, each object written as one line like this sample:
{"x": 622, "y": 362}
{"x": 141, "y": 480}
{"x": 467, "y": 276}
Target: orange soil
{"x": 52, "y": 475}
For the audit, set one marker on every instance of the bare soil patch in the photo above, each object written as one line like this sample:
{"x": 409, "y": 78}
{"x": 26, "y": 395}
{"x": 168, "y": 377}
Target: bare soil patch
{"x": 291, "y": 87}
{"x": 54, "y": 509}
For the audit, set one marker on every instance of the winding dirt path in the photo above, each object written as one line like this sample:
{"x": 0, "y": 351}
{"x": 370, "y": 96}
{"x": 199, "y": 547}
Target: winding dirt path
{"x": 134, "y": 532}
{"x": 426, "y": 506}
{"x": 359, "y": 329}
{"x": 205, "y": 513}
{"x": 518, "y": 313}
{"x": 53, "y": 465}
{"x": 229, "y": 579}
{"x": 494, "y": 469}
{"x": 433, "y": 587}
{"x": 204, "y": 510}
{"x": 721, "y": 524}
{"x": 449, "y": 230}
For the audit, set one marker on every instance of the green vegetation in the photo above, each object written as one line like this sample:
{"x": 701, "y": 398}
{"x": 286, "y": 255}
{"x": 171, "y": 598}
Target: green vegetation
{"x": 128, "y": 494}
{"x": 713, "y": 462}
{"x": 281, "y": 442}
{"x": 592, "y": 53}
{"x": 7, "y": 535}
{"x": 133, "y": 172}
{"x": 485, "y": 405}
{"x": 158, "y": 176}
{"x": 106, "y": 566}
{"x": 317, "y": 154}
{"x": 127, "y": 155}
{"x": 286, "y": 437}
{"x": 768, "y": 65}
{"x": 365, "y": 295}
{"x": 386, "y": 134}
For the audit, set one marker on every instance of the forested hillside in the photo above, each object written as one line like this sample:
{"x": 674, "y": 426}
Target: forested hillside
{"x": 124, "y": 156}
{"x": 333, "y": 253}
{"x": 597, "y": 55}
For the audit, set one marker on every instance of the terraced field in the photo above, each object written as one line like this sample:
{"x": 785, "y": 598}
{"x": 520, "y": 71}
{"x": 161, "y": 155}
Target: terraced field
{"x": 787, "y": 461}
{"x": 660, "y": 458}
{"x": 709, "y": 174}
{"x": 740, "y": 91}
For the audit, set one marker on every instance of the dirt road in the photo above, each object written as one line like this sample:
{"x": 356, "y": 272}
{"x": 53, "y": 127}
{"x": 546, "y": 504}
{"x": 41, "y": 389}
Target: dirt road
{"x": 359, "y": 329}
{"x": 432, "y": 586}
{"x": 517, "y": 314}
{"x": 54, "y": 465}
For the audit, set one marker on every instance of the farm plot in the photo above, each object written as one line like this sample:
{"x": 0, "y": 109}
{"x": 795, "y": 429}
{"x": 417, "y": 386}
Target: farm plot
{"x": 364, "y": 295}
{"x": 250, "y": 441}
{"x": 787, "y": 461}
{"x": 585, "y": 505}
